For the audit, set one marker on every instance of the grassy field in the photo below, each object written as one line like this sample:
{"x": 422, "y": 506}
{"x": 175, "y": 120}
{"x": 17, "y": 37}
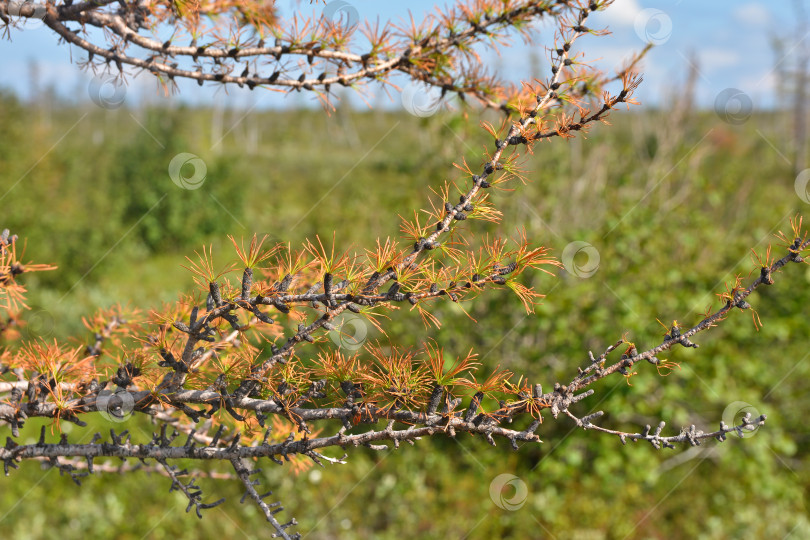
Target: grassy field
{"x": 672, "y": 205}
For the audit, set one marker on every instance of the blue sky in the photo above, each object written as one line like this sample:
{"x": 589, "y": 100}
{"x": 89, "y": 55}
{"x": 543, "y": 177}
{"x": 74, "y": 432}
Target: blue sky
{"x": 730, "y": 39}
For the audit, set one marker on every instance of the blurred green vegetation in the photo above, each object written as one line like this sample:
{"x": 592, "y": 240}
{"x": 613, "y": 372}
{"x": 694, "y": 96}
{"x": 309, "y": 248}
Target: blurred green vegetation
{"x": 672, "y": 209}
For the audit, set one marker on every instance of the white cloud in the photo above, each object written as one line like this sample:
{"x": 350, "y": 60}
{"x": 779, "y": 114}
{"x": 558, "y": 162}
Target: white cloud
{"x": 621, "y": 13}
{"x": 763, "y": 82}
{"x": 752, "y": 14}
{"x": 712, "y": 58}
